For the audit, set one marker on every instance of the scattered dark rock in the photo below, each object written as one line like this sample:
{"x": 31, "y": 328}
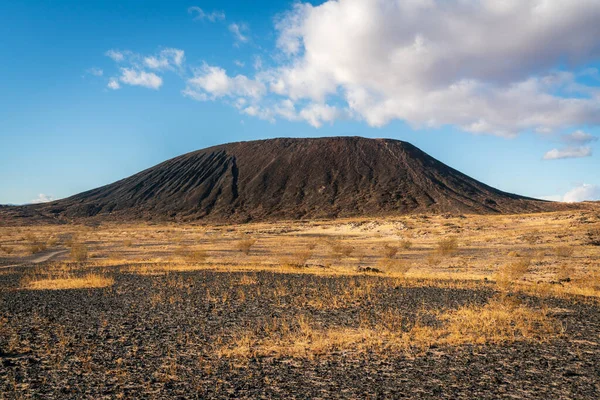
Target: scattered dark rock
{"x": 369, "y": 269}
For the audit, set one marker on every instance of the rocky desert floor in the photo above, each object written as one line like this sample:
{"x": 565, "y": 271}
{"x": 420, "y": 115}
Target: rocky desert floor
{"x": 408, "y": 307}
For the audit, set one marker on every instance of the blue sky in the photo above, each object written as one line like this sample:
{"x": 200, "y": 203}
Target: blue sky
{"x": 95, "y": 91}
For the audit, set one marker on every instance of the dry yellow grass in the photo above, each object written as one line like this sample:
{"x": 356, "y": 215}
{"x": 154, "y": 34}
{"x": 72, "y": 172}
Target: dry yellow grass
{"x": 499, "y": 321}
{"x": 487, "y": 244}
{"x": 87, "y": 281}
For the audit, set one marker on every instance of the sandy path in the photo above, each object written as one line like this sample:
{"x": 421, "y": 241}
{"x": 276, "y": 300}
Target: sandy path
{"x": 39, "y": 258}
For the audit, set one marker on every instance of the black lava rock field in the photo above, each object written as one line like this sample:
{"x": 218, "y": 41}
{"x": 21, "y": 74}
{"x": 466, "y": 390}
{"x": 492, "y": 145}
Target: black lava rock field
{"x": 163, "y": 336}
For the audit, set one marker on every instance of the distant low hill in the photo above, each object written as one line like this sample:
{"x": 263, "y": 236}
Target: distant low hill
{"x": 288, "y": 179}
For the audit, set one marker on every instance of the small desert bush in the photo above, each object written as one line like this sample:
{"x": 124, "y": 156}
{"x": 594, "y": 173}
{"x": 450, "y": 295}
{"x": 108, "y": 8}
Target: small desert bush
{"x": 52, "y": 241}
{"x": 389, "y": 251}
{"x": 433, "y": 259}
{"x": 79, "y": 252}
{"x": 297, "y": 259}
{"x": 405, "y": 244}
{"x": 245, "y": 244}
{"x": 513, "y": 271}
{"x": 192, "y": 255}
{"x": 447, "y": 246}
{"x": 593, "y": 237}
{"x": 34, "y": 245}
{"x": 532, "y": 237}
{"x": 393, "y": 266}
{"x": 70, "y": 239}
{"x": 340, "y": 249}
{"x": 565, "y": 272}
{"x": 6, "y": 249}
{"x": 197, "y": 255}
{"x": 564, "y": 251}
{"x": 590, "y": 282}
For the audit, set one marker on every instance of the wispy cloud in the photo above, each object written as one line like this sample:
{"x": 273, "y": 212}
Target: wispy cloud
{"x": 113, "y": 83}
{"x": 165, "y": 59}
{"x": 201, "y": 15}
{"x": 579, "y": 138}
{"x": 115, "y": 55}
{"x": 238, "y": 32}
{"x": 568, "y": 152}
{"x": 95, "y": 71}
{"x": 258, "y": 63}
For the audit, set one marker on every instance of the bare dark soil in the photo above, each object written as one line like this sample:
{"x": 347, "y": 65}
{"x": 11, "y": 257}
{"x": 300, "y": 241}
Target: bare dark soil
{"x": 287, "y": 179}
{"x": 155, "y": 337}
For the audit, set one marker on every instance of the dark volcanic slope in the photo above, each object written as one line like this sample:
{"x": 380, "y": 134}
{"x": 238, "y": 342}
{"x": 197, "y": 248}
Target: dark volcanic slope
{"x": 292, "y": 178}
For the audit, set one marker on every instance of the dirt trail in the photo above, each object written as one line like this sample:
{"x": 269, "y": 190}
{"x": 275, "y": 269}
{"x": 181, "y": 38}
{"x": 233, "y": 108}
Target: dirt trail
{"x": 38, "y": 258}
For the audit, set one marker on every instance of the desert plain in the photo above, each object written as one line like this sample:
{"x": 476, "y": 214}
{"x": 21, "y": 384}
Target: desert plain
{"x": 419, "y": 306}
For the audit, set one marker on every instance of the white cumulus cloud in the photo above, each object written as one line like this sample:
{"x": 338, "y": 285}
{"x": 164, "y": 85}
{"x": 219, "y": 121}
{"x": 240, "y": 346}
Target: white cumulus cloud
{"x": 484, "y": 66}
{"x": 213, "y": 82}
{"x": 317, "y": 114}
{"x": 583, "y": 193}
{"x": 140, "y": 78}
{"x": 42, "y": 198}
{"x": 133, "y": 67}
